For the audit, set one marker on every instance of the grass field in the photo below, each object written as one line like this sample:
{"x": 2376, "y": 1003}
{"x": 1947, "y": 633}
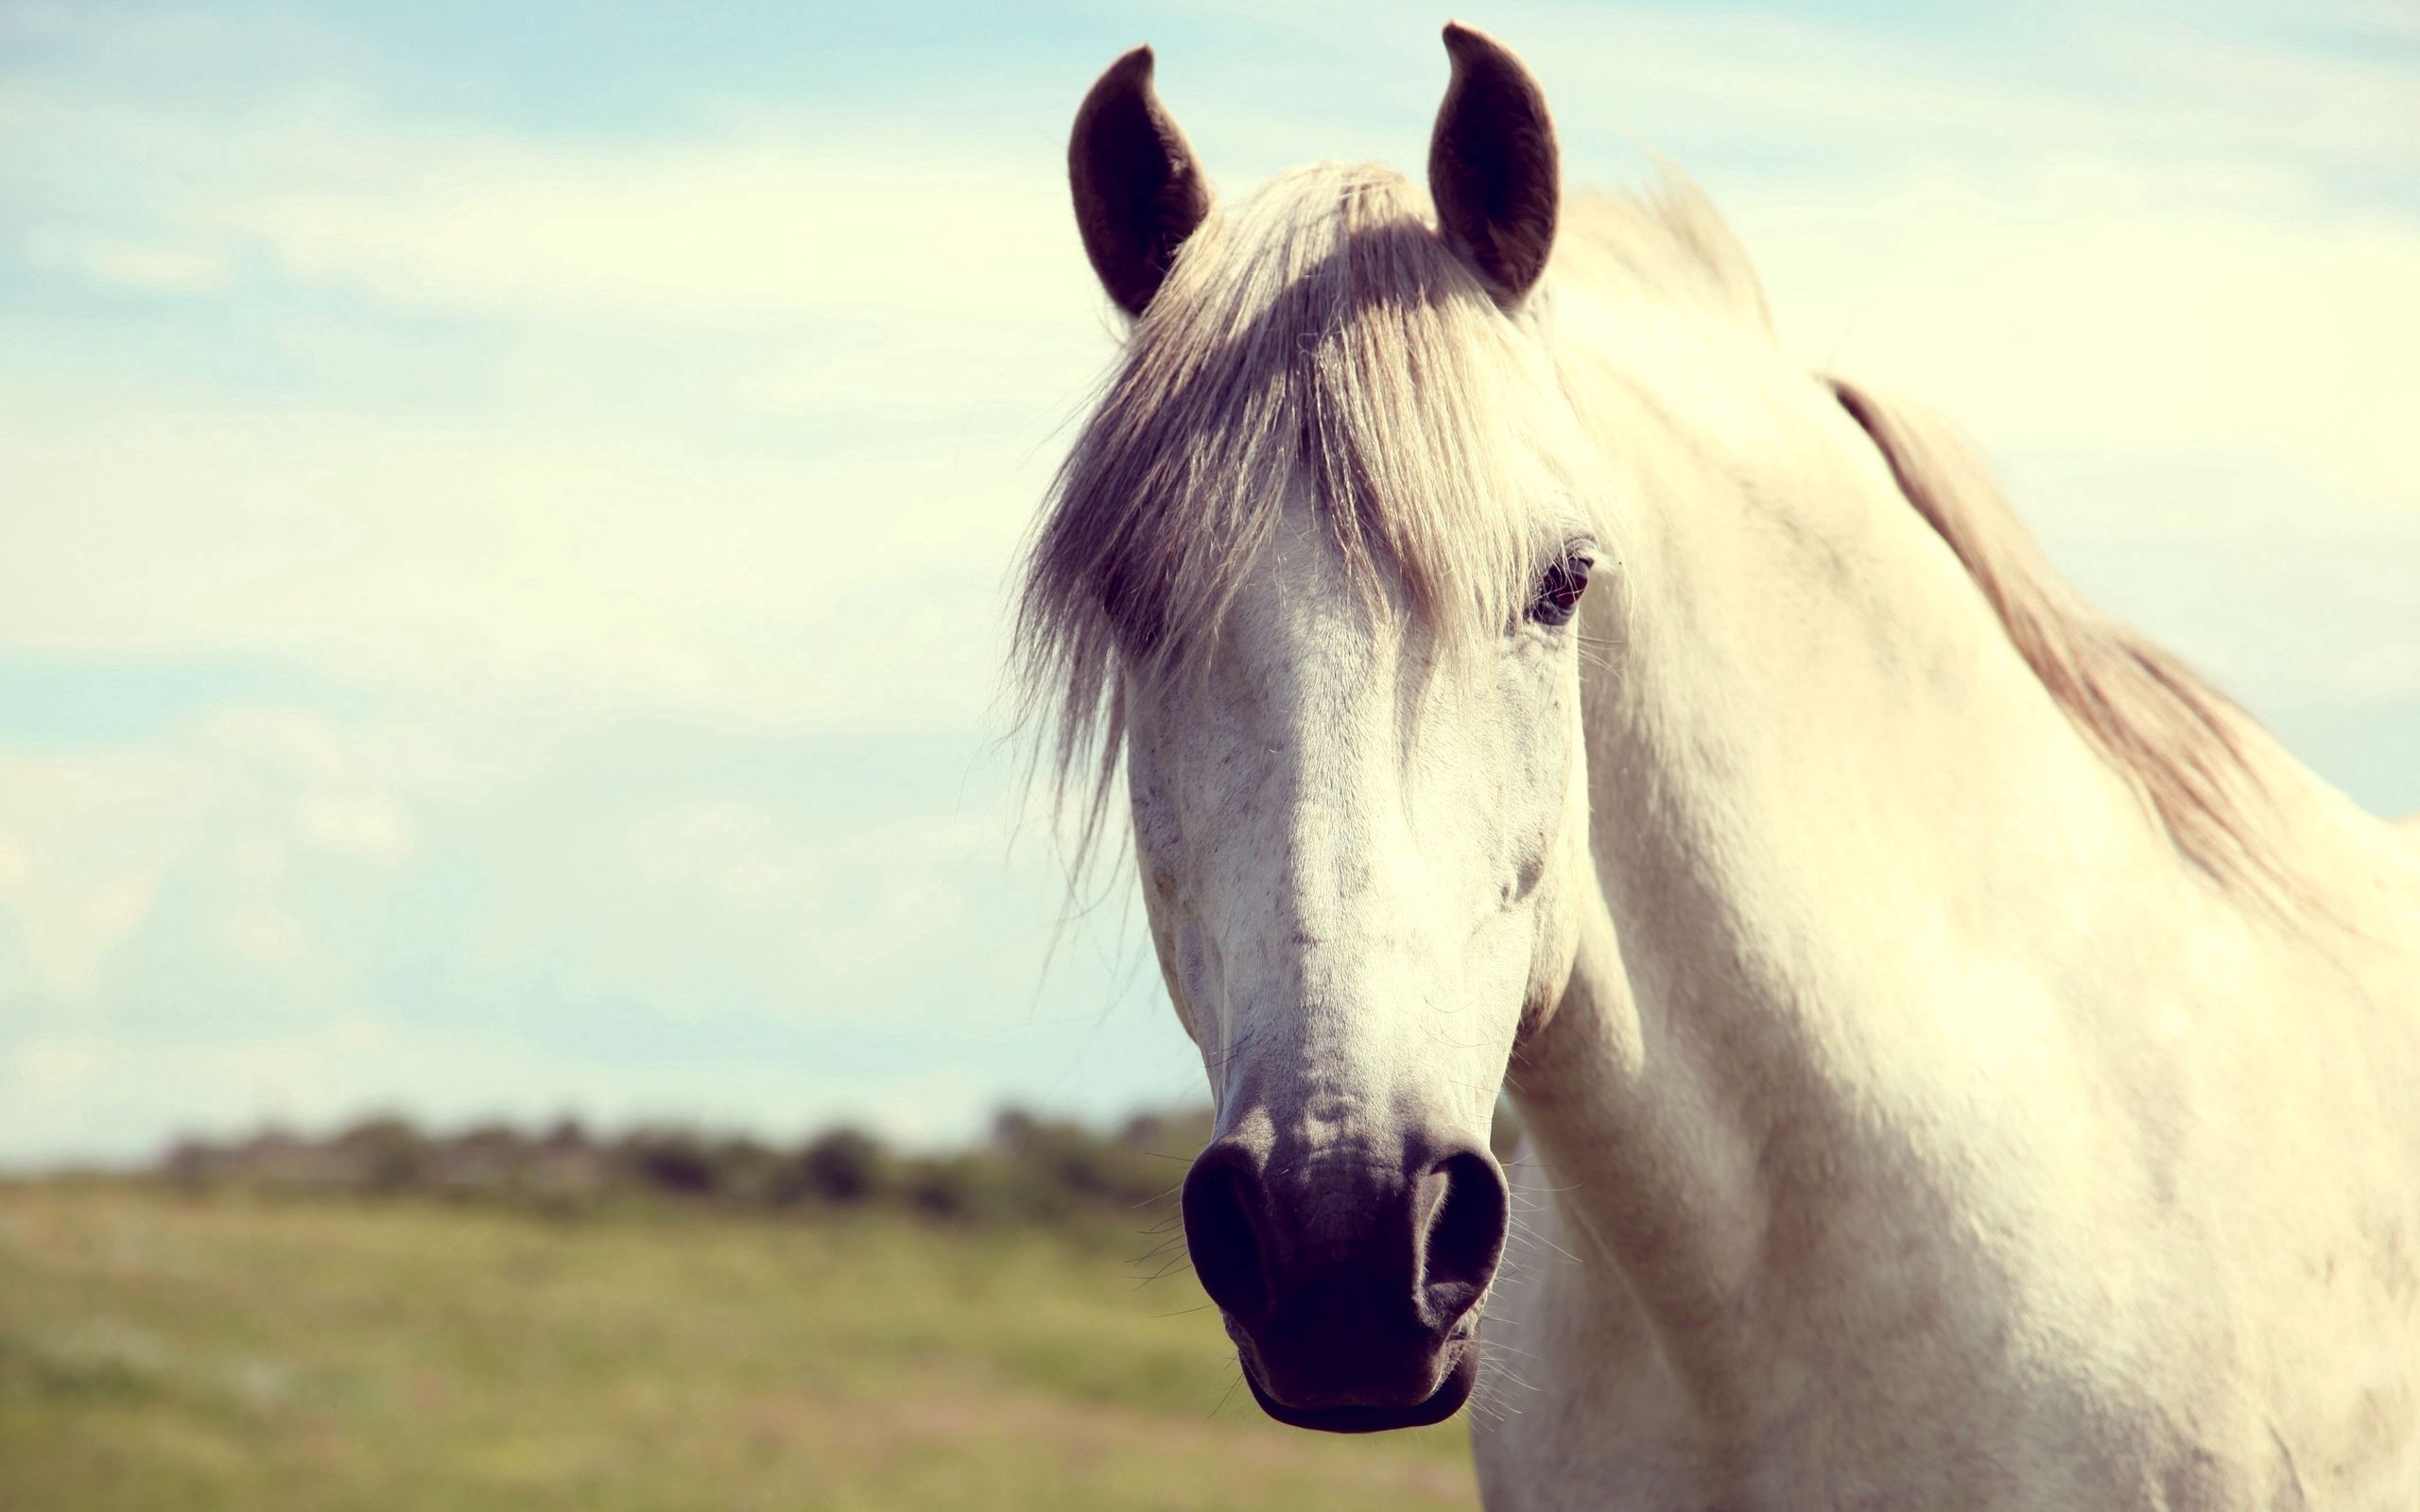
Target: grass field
{"x": 164, "y": 1352}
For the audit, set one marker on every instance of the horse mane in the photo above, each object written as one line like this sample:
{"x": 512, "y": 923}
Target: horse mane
{"x": 1302, "y": 334}
{"x": 1317, "y": 336}
{"x": 2179, "y": 742}
{"x": 1669, "y": 247}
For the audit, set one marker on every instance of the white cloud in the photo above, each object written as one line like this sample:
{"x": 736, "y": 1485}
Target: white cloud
{"x": 1828, "y": 96}
{"x": 90, "y": 836}
{"x": 933, "y": 367}
{"x": 2377, "y": 674}
{"x": 909, "y": 881}
{"x": 266, "y": 936}
{"x": 715, "y": 231}
{"x": 148, "y": 268}
{"x": 2385, "y": 20}
{"x": 383, "y": 758}
{"x": 362, "y": 827}
{"x": 760, "y": 218}
{"x": 609, "y": 552}
{"x": 844, "y": 595}
{"x": 86, "y": 840}
{"x": 734, "y": 854}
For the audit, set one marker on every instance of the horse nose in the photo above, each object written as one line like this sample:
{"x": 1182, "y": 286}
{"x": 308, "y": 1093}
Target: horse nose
{"x": 1464, "y": 1210}
{"x": 1347, "y": 1282}
{"x": 1224, "y": 1210}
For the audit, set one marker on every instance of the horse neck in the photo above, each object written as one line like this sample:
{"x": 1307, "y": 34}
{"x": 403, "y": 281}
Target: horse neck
{"x": 1844, "y": 840}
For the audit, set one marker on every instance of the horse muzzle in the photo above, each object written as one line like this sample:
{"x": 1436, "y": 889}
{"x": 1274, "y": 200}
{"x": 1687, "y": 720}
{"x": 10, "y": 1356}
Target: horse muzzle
{"x": 1352, "y": 1287}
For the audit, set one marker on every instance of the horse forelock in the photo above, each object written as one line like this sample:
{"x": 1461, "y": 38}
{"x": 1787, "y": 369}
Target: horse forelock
{"x": 1317, "y": 340}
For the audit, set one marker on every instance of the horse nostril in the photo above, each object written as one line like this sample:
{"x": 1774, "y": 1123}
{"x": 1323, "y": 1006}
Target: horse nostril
{"x": 1465, "y": 1204}
{"x": 1222, "y": 1208}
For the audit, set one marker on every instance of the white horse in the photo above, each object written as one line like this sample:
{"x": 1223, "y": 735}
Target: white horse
{"x": 1964, "y": 1061}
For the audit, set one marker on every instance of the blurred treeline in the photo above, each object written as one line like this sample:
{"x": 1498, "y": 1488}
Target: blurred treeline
{"x": 1028, "y": 1169}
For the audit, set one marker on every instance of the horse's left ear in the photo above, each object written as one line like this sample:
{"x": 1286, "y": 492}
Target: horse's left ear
{"x": 1138, "y": 192}
{"x": 1493, "y": 166}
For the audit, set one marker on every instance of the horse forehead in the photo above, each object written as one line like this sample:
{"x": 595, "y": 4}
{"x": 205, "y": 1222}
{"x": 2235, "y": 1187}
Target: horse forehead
{"x": 1301, "y": 620}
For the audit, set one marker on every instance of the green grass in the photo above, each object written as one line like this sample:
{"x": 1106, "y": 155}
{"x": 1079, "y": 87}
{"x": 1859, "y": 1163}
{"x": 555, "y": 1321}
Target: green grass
{"x": 159, "y": 1351}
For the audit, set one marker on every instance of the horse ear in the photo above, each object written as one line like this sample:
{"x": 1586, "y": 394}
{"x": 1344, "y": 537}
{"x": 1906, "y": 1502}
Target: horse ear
{"x": 1138, "y": 193}
{"x": 1493, "y": 166}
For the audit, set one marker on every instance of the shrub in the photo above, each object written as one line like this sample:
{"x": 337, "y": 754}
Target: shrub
{"x": 843, "y": 1166}
{"x": 1031, "y": 1168}
{"x": 674, "y": 1162}
{"x": 387, "y": 1155}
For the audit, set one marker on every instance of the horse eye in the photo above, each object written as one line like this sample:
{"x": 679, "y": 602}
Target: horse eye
{"x": 1558, "y": 596}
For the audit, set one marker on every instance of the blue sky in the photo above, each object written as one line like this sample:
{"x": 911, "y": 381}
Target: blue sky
{"x": 503, "y": 512}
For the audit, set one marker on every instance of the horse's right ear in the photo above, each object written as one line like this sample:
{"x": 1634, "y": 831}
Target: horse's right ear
{"x": 1138, "y": 193}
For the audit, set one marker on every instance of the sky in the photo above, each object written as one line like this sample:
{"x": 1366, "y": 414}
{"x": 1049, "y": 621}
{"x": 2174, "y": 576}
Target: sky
{"x": 505, "y": 512}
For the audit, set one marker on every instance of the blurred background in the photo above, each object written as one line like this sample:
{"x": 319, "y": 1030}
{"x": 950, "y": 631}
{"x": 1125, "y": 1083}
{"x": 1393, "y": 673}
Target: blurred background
{"x": 528, "y": 975}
